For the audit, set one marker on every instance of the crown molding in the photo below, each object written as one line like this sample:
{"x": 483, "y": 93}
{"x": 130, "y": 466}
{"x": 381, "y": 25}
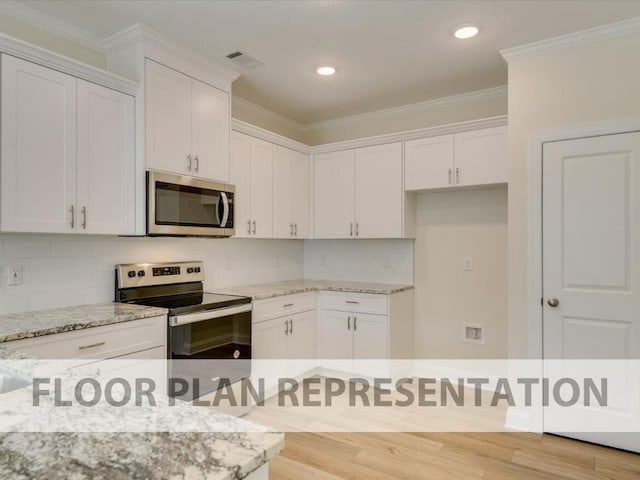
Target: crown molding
{"x": 413, "y": 108}
{"x": 582, "y": 37}
{"x": 248, "y": 106}
{"x": 499, "y": 121}
{"x": 268, "y": 136}
{"x": 46, "y": 58}
{"x": 140, "y": 33}
{"x": 47, "y": 23}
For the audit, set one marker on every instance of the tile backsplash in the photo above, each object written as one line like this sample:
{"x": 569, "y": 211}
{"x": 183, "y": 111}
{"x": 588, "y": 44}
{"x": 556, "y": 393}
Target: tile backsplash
{"x": 384, "y": 261}
{"x": 62, "y": 270}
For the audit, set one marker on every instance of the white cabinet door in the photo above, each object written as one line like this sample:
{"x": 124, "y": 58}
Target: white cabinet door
{"x": 240, "y": 176}
{"x": 38, "y": 169}
{"x": 210, "y": 131}
{"x": 168, "y": 119}
{"x": 428, "y": 163}
{"x": 268, "y": 349}
{"x": 334, "y": 194}
{"x": 106, "y": 162}
{"x": 481, "y": 157}
{"x": 301, "y": 194}
{"x": 337, "y": 340}
{"x": 370, "y": 340}
{"x": 282, "y": 192}
{"x": 261, "y": 189}
{"x": 302, "y": 343}
{"x": 379, "y": 192}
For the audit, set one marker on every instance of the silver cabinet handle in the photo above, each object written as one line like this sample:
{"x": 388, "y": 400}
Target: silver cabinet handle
{"x": 286, "y": 327}
{"x": 349, "y": 323}
{"x": 84, "y": 218}
{"x": 291, "y": 326}
{"x": 73, "y": 216}
{"x": 287, "y": 305}
{"x": 295, "y": 226}
{"x": 248, "y": 227}
{"x": 351, "y": 230}
{"x": 353, "y": 302}
{"x": 355, "y": 323}
{"x": 93, "y": 345}
{"x": 450, "y": 177}
{"x": 189, "y": 160}
{"x": 553, "y": 302}
{"x": 197, "y": 167}
{"x": 254, "y": 227}
{"x": 291, "y": 229}
{"x": 457, "y": 175}
{"x": 357, "y": 229}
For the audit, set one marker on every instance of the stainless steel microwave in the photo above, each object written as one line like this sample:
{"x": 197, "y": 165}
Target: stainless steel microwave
{"x": 187, "y": 206}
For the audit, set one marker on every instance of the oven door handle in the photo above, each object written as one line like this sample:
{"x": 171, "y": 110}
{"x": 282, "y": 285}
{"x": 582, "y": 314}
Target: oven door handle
{"x": 177, "y": 320}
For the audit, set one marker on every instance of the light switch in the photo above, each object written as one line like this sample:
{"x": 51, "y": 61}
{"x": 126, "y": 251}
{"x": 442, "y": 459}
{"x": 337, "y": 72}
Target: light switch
{"x": 467, "y": 264}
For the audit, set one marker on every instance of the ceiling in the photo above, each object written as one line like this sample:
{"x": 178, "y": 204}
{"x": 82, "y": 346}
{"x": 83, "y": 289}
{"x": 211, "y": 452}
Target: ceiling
{"x": 388, "y": 53}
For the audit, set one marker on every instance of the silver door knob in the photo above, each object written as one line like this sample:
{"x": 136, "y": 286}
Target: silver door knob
{"x": 553, "y": 302}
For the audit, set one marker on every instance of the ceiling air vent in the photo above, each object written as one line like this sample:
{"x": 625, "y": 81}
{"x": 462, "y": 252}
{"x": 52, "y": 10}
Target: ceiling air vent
{"x": 243, "y": 60}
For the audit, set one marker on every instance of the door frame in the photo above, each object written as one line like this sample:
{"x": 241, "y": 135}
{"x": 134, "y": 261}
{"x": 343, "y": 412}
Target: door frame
{"x": 532, "y": 419}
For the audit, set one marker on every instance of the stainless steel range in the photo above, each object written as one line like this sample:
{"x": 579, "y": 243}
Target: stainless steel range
{"x": 203, "y": 326}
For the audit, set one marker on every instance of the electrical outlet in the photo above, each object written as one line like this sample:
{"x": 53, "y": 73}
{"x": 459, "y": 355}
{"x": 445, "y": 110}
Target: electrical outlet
{"x": 14, "y": 275}
{"x": 387, "y": 261}
{"x": 467, "y": 264}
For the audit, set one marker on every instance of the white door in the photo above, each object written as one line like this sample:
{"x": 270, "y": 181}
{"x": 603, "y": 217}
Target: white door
{"x": 370, "y": 339}
{"x": 168, "y": 120}
{"x": 481, "y": 157}
{"x": 38, "y": 180}
{"x": 210, "y": 131}
{"x": 301, "y": 194}
{"x": 428, "y": 163}
{"x": 240, "y": 176}
{"x": 282, "y": 192}
{"x": 334, "y": 194}
{"x": 379, "y": 191}
{"x": 337, "y": 340}
{"x": 106, "y": 161}
{"x": 302, "y": 343}
{"x": 591, "y": 270}
{"x": 267, "y": 350}
{"x": 261, "y": 189}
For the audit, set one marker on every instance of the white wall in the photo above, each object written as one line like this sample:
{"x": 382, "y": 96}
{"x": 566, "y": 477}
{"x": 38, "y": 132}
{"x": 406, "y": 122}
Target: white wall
{"x": 63, "y": 270}
{"x": 380, "y": 261}
{"x": 585, "y": 84}
{"x": 452, "y": 225}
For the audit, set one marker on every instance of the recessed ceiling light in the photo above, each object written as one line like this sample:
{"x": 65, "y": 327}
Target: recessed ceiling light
{"x": 326, "y": 70}
{"x": 466, "y": 31}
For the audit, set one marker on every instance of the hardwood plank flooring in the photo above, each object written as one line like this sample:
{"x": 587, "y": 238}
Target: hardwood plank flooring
{"x": 485, "y": 456}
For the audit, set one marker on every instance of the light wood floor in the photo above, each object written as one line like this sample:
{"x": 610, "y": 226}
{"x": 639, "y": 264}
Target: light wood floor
{"x": 489, "y": 456}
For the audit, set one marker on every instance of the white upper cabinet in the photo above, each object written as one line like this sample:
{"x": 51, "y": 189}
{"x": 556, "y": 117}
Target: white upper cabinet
{"x": 251, "y": 173}
{"x": 472, "y": 158}
{"x": 67, "y": 153}
{"x": 187, "y": 124}
{"x": 106, "y": 168}
{"x": 334, "y": 194}
{"x": 379, "y": 191}
{"x": 291, "y": 193}
{"x": 358, "y": 193}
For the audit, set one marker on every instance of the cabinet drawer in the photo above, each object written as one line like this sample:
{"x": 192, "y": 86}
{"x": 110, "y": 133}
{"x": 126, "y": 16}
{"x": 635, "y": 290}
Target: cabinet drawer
{"x": 98, "y": 342}
{"x": 355, "y": 302}
{"x": 284, "y": 305}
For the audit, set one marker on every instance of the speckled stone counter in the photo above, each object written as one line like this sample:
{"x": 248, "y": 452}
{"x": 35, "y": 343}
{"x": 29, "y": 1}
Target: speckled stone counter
{"x": 47, "y": 322}
{"x": 277, "y": 289}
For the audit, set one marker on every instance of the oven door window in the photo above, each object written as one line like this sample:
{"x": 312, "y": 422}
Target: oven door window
{"x": 185, "y": 205}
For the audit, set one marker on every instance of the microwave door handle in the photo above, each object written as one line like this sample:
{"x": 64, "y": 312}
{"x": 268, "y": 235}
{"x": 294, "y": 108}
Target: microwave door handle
{"x": 225, "y": 204}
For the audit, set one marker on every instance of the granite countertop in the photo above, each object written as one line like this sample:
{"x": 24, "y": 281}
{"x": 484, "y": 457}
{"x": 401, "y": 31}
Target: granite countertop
{"x": 17, "y": 326}
{"x": 277, "y": 289}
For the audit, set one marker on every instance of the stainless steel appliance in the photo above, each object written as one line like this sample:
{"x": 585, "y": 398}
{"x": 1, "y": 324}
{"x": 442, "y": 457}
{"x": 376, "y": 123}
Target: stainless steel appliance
{"x": 187, "y": 206}
{"x": 209, "y": 335}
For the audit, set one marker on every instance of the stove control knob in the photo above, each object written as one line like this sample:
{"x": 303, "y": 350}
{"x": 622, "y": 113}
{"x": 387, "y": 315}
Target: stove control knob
{"x": 141, "y": 273}
{"x": 131, "y": 273}
{"x": 197, "y": 269}
{"x": 190, "y": 270}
